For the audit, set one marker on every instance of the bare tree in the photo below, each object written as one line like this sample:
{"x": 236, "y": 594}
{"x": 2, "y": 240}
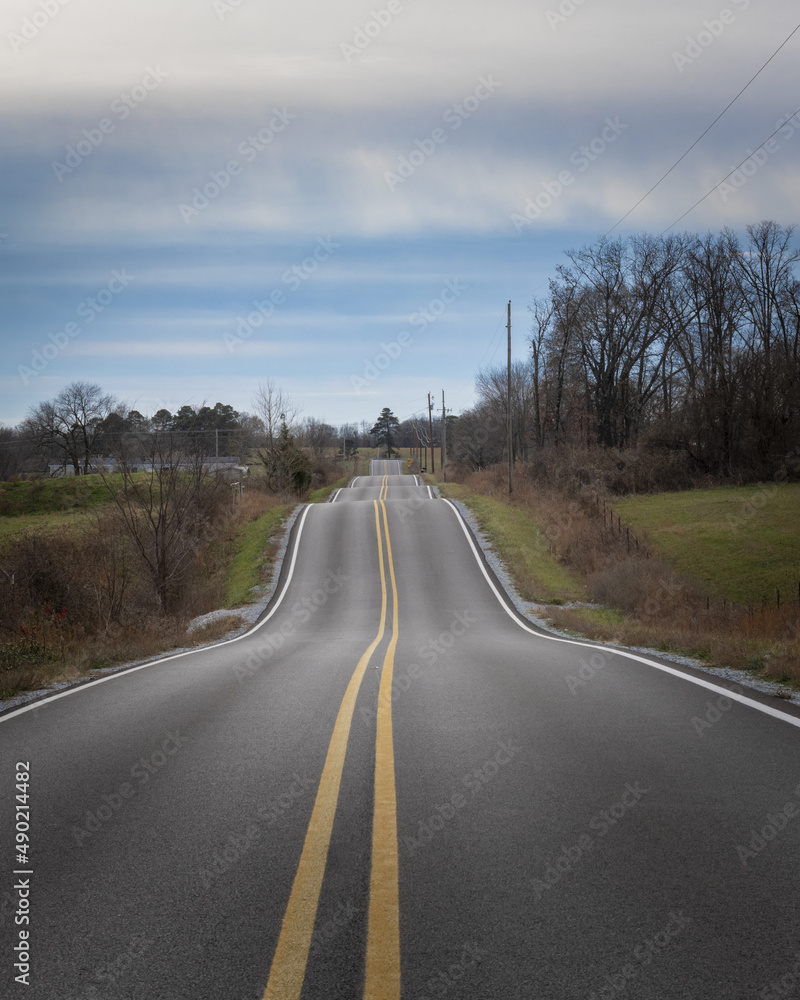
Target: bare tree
{"x": 491, "y": 386}
{"x": 317, "y": 436}
{"x": 17, "y": 453}
{"x": 542, "y": 311}
{"x": 167, "y": 501}
{"x": 623, "y": 336}
{"x": 478, "y": 437}
{"x": 274, "y": 407}
{"x": 68, "y": 425}
{"x": 765, "y": 273}
{"x": 279, "y": 414}
{"x": 695, "y": 341}
{"x": 710, "y": 346}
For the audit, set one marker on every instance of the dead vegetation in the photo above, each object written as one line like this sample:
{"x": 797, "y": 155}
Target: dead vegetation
{"x": 643, "y": 601}
{"x": 86, "y": 598}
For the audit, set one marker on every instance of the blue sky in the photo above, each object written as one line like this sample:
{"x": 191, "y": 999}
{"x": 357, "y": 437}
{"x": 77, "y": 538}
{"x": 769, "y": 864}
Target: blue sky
{"x": 354, "y": 178}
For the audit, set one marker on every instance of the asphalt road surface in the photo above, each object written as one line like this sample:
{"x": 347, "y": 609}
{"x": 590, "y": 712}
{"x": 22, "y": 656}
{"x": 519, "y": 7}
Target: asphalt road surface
{"x": 393, "y": 787}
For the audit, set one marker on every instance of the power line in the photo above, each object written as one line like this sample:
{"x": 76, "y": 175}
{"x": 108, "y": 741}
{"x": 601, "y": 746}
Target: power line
{"x": 495, "y": 336}
{"x": 683, "y": 157}
{"x": 733, "y": 171}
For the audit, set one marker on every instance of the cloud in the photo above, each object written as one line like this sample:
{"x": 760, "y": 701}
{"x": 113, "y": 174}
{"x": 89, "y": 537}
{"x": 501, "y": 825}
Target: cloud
{"x": 216, "y": 82}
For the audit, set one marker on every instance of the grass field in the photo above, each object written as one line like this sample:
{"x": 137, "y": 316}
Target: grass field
{"x": 48, "y": 505}
{"x": 520, "y": 543}
{"x": 38, "y": 524}
{"x": 47, "y": 496}
{"x": 740, "y": 542}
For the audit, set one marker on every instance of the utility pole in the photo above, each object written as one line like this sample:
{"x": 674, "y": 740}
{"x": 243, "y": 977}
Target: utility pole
{"x": 430, "y": 427}
{"x": 444, "y": 440}
{"x": 508, "y": 397}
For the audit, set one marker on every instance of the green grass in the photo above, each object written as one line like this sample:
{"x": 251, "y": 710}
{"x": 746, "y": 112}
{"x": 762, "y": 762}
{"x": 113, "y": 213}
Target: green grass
{"x": 518, "y": 539}
{"x": 252, "y": 555}
{"x": 322, "y": 494}
{"x": 37, "y": 524}
{"x": 741, "y": 542}
{"x": 53, "y": 496}
{"x": 603, "y": 617}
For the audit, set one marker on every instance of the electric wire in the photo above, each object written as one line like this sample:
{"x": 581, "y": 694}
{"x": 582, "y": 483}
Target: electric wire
{"x": 733, "y": 171}
{"x": 683, "y": 157}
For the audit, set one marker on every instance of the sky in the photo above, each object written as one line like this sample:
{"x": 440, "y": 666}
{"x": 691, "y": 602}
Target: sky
{"x": 201, "y": 195}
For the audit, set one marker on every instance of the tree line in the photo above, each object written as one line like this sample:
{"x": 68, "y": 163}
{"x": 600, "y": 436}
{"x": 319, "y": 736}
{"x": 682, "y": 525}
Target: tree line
{"x": 83, "y": 426}
{"x": 683, "y": 343}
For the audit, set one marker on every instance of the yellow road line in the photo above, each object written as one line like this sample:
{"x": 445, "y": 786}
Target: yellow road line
{"x": 291, "y": 954}
{"x": 383, "y": 934}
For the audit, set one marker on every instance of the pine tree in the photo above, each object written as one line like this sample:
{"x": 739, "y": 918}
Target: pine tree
{"x": 385, "y": 428}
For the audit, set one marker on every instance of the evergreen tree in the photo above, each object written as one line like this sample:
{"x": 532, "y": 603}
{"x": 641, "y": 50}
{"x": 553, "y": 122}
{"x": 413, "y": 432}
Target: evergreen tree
{"x": 386, "y": 426}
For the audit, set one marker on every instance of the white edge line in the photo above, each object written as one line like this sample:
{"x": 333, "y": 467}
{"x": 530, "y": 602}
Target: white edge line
{"x": 175, "y": 656}
{"x": 733, "y": 695}
{"x": 430, "y": 494}
{"x": 335, "y": 495}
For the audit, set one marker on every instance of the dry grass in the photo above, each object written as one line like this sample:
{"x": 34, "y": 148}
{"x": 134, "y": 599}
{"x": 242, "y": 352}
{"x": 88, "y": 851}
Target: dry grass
{"x": 216, "y": 630}
{"x": 648, "y": 601}
{"x": 110, "y": 615}
{"x": 78, "y": 657}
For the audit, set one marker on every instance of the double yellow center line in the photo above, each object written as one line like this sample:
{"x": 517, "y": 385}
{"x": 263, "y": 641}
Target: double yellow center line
{"x": 383, "y": 932}
{"x": 382, "y": 496}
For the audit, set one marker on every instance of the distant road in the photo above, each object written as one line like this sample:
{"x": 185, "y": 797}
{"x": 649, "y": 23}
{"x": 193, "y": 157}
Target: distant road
{"x": 384, "y": 467}
{"x": 525, "y": 817}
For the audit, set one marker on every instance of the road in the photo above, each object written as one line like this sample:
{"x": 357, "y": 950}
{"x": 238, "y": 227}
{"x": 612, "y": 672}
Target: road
{"x": 393, "y": 787}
